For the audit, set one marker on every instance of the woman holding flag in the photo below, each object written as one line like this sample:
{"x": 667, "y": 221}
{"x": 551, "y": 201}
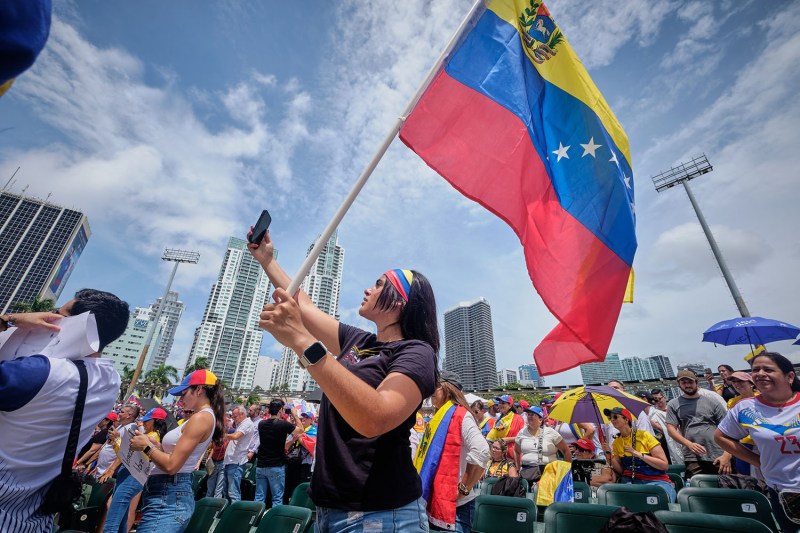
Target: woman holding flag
{"x": 508, "y": 425}
{"x": 451, "y": 458}
{"x": 363, "y": 473}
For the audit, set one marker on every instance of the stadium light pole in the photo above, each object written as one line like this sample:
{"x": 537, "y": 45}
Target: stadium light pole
{"x": 682, "y": 174}
{"x": 177, "y": 257}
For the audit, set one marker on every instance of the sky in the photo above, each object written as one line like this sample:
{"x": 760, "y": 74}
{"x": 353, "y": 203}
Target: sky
{"x": 172, "y": 125}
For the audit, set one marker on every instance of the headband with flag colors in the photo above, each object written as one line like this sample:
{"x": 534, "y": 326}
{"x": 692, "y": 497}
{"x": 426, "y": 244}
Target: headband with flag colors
{"x": 513, "y": 121}
{"x": 401, "y": 280}
{"x": 198, "y": 377}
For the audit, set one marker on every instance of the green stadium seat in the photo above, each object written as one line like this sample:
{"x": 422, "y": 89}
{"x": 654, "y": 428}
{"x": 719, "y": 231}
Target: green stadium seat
{"x": 637, "y": 498}
{"x": 582, "y": 492}
{"x": 87, "y": 517}
{"x": 703, "y": 523}
{"x": 239, "y": 517}
{"x": 301, "y": 498}
{"x": 503, "y": 513}
{"x": 705, "y": 481}
{"x": 205, "y": 511}
{"x": 562, "y": 517}
{"x": 197, "y": 480}
{"x": 677, "y": 480}
{"x": 289, "y": 518}
{"x": 728, "y": 502}
{"x": 677, "y": 469}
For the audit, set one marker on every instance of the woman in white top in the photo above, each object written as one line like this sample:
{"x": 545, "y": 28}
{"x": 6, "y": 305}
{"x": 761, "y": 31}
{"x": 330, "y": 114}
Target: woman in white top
{"x": 537, "y": 445}
{"x": 168, "y": 499}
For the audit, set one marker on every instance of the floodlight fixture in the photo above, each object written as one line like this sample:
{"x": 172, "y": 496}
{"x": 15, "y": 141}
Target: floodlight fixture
{"x": 176, "y": 256}
{"x": 682, "y": 174}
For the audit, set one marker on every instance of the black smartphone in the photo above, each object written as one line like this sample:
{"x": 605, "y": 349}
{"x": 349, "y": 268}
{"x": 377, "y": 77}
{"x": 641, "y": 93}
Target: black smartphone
{"x": 288, "y": 410}
{"x": 260, "y": 229}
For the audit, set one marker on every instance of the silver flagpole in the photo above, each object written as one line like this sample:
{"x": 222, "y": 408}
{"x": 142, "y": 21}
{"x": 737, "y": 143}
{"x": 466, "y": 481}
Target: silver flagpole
{"x": 362, "y": 179}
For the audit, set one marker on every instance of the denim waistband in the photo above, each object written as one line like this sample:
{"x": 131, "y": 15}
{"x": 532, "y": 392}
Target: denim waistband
{"x": 172, "y": 479}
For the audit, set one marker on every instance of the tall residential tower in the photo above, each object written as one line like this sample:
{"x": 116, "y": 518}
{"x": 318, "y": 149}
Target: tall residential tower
{"x": 228, "y": 335}
{"x": 323, "y": 285}
{"x": 39, "y": 246}
{"x": 170, "y": 316}
{"x": 469, "y": 344}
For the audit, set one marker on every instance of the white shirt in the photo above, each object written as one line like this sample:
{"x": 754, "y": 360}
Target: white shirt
{"x": 236, "y": 452}
{"x": 170, "y": 440}
{"x": 529, "y": 445}
{"x": 104, "y": 459}
{"x": 776, "y": 432}
{"x": 37, "y": 401}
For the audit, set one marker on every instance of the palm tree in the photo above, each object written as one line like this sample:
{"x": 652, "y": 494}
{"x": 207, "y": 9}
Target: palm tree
{"x": 126, "y": 376}
{"x": 159, "y": 379}
{"x": 34, "y": 306}
{"x": 201, "y": 363}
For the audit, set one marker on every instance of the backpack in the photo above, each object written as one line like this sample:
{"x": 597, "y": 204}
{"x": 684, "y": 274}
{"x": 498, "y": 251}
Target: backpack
{"x": 508, "y": 486}
{"x": 624, "y": 520}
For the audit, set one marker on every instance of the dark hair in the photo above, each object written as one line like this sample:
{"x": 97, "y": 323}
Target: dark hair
{"x": 729, "y": 368}
{"x": 216, "y": 397}
{"x": 275, "y": 407}
{"x": 783, "y": 364}
{"x": 418, "y": 315}
{"x": 110, "y": 313}
{"x": 478, "y": 404}
{"x": 160, "y": 427}
{"x": 656, "y": 391}
{"x": 503, "y": 446}
{"x": 452, "y": 394}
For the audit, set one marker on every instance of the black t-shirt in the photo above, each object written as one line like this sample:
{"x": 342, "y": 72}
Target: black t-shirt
{"x": 356, "y": 473}
{"x": 98, "y": 438}
{"x": 272, "y": 435}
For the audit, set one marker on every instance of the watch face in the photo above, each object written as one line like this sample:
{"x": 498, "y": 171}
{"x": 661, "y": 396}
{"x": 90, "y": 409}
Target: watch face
{"x": 315, "y": 352}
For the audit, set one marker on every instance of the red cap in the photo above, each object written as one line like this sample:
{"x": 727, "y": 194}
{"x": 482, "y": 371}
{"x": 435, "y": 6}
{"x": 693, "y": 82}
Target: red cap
{"x": 112, "y": 416}
{"x": 524, "y": 404}
{"x": 585, "y": 444}
{"x": 619, "y": 411}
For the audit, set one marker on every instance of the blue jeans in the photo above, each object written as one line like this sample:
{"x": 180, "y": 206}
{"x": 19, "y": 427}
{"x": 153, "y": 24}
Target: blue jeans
{"x": 666, "y": 485}
{"x": 409, "y": 518}
{"x": 216, "y": 481}
{"x": 117, "y": 517}
{"x": 167, "y": 504}
{"x": 464, "y": 515}
{"x": 233, "y": 482}
{"x": 276, "y": 477}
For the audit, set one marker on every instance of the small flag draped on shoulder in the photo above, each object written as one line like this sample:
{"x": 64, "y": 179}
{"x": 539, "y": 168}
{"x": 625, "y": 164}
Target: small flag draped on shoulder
{"x": 513, "y": 121}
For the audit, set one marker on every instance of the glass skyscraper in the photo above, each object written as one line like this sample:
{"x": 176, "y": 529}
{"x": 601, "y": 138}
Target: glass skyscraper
{"x": 39, "y": 246}
{"x": 469, "y": 344}
{"x": 229, "y": 335}
{"x": 594, "y": 373}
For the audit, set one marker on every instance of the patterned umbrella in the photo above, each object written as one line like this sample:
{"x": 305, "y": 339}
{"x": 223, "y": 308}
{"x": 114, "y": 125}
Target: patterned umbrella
{"x": 586, "y": 404}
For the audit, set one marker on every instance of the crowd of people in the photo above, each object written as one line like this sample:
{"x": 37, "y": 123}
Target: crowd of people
{"x": 373, "y": 458}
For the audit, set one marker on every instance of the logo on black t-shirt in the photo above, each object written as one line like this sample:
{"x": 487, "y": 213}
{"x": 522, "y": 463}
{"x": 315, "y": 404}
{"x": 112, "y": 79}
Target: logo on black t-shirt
{"x": 355, "y": 355}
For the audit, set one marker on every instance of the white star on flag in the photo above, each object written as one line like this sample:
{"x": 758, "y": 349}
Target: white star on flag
{"x": 561, "y": 152}
{"x": 614, "y": 157}
{"x": 590, "y": 148}
{"x": 627, "y": 180}
{"x": 633, "y": 209}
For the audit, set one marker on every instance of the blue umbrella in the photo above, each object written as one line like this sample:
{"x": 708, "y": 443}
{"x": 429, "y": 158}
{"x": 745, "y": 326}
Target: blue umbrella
{"x": 750, "y": 330}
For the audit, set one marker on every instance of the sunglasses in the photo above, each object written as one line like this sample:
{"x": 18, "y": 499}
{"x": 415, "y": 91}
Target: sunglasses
{"x": 614, "y": 417}
{"x": 188, "y": 411}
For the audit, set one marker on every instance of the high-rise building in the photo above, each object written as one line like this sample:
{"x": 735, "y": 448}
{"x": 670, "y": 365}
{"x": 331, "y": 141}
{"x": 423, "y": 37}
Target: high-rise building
{"x": 469, "y": 344}
{"x": 170, "y": 316}
{"x": 697, "y": 368}
{"x": 266, "y": 368}
{"x": 636, "y": 368}
{"x": 228, "y": 335}
{"x": 664, "y": 366}
{"x": 594, "y": 373}
{"x": 529, "y": 376}
{"x": 506, "y": 376}
{"x": 39, "y": 246}
{"x": 323, "y": 285}
{"x": 125, "y": 351}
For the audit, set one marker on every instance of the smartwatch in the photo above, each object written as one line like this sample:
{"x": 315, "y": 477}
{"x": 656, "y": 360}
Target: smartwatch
{"x": 313, "y": 354}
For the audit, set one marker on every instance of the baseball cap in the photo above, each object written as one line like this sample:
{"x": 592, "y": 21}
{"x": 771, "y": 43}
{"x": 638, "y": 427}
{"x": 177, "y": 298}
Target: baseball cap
{"x": 688, "y": 374}
{"x": 506, "y": 398}
{"x": 644, "y": 395}
{"x": 524, "y": 404}
{"x": 306, "y": 415}
{"x": 585, "y": 444}
{"x": 536, "y": 410}
{"x": 744, "y": 376}
{"x": 490, "y": 403}
{"x": 112, "y": 416}
{"x": 619, "y": 411}
{"x": 156, "y": 413}
{"x": 198, "y": 377}
{"x": 451, "y": 378}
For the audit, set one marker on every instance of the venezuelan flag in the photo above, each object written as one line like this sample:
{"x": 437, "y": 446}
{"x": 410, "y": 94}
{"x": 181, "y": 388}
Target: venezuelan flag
{"x": 514, "y": 122}
{"x": 556, "y": 484}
